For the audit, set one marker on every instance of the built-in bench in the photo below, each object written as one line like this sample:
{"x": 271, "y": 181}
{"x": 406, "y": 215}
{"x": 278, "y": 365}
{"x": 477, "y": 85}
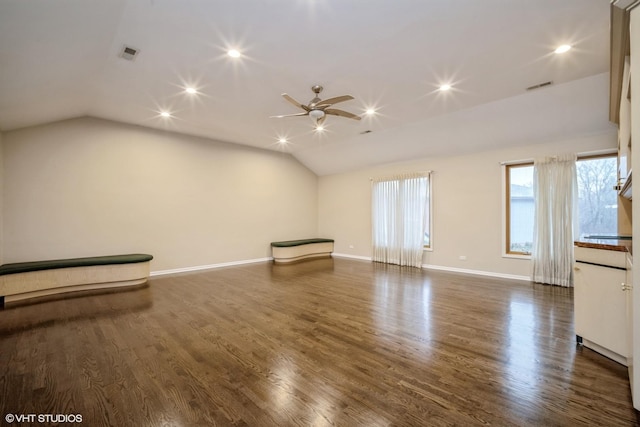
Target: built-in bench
{"x": 296, "y": 250}
{"x": 24, "y": 280}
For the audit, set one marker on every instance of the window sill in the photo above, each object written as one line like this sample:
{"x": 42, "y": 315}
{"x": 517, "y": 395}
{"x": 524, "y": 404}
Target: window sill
{"x": 514, "y": 256}
{"x": 429, "y": 249}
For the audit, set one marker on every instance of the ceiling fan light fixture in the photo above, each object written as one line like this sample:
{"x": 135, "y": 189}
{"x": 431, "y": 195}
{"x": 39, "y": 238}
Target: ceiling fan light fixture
{"x": 316, "y": 114}
{"x": 318, "y": 109}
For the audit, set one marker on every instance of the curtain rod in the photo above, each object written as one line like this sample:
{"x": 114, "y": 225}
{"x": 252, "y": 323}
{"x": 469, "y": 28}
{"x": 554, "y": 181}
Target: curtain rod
{"x": 525, "y": 161}
{"x": 429, "y": 172}
{"x": 516, "y": 162}
{"x": 602, "y": 152}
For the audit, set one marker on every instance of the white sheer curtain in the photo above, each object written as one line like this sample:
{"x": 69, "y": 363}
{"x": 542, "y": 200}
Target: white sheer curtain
{"x": 399, "y": 214}
{"x": 555, "y": 191}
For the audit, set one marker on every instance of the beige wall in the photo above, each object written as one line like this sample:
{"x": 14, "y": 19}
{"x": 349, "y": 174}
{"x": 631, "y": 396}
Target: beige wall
{"x": 88, "y": 187}
{"x": 1, "y": 199}
{"x": 467, "y": 205}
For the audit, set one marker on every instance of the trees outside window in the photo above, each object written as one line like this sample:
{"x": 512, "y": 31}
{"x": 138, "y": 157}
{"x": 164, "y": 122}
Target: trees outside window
{"x": 597, "y": 198}
{"x": 597, "y": 201}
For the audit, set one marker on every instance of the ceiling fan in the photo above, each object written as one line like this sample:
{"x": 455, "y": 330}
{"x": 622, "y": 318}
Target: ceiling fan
{"x": 318, "y": 109}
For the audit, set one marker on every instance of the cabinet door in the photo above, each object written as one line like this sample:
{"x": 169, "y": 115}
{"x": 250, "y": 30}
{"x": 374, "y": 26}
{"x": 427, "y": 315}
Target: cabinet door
{"x": 630, "y": 328}
{"x": 600, "y": 306}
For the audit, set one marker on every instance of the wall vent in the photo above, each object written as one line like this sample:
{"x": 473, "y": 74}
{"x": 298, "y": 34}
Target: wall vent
{"x": 129, "y": 53}
{"x": 538, "y": 86}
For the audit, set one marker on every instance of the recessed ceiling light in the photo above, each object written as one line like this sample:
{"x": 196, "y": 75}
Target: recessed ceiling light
{"x": 191, "y": 90}
{"x": 370, "y": 111}
{"x": 282, "y": 140}
{"x": 233, "y": 53}
{"x": 563, "y": 48}
{"x": 165, "y": 114}
{"x": 444, "y": 87}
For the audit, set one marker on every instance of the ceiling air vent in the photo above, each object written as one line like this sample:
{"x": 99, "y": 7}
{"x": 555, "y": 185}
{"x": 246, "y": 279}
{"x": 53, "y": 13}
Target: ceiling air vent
{"x": 538, "y": 86}
{"x": 129, "y": 53}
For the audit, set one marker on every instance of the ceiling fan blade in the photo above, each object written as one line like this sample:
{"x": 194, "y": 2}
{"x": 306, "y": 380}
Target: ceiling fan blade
{"x": 289, "y": 115}
{"x": 331, "y": 101}
{"x": 341, "y": 113}
{"x": 294, "y": 102}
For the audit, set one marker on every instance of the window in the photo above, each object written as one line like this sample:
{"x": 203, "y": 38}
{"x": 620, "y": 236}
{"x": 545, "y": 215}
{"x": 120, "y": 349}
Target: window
{"x": 597, "y": 198}
{"x": 597, "y": 201}
{"x": 427, "y": 219}
{"x": 520, "y": 208}
{"x": 400, "y": 206}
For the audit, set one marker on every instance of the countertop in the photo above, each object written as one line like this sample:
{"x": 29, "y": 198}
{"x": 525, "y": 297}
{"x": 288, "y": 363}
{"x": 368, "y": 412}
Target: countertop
{"x": 620, "y": 245}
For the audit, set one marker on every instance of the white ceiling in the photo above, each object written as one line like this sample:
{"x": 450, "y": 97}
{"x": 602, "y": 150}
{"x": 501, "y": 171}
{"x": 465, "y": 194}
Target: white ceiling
{"x": 60, "y": 59}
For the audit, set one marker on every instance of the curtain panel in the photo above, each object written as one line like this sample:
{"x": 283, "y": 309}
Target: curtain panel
{"x": 399, "y": 213}
{"x": 555, "y": 190}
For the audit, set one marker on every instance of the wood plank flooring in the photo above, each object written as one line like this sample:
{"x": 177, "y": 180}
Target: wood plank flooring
{"x": 331, "y": 342}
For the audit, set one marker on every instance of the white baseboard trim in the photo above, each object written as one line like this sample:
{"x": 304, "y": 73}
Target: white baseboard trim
{"x": 450, "y": 269}
{"x": 338, "y": 255}
{"x": 476, "y": 272}
{"x": 208, "y": 267}
{"x": 364, "y": 258}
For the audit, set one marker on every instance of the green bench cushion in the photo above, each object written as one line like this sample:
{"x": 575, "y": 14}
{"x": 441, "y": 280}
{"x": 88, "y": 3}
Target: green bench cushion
{"x": 289, "y": 243}
{"x": 25, "y": 267}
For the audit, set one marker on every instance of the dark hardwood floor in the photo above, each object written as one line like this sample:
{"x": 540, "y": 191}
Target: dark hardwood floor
{"x": 327, "y": 342}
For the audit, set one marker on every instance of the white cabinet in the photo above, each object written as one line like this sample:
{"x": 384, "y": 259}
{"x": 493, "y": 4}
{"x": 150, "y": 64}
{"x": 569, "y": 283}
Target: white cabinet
{"x": 600, "y": 302}
{"x": 630, "y": 328}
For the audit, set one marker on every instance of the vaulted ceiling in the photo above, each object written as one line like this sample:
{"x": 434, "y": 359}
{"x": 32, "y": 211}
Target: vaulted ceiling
{"x": 61, "y": 59}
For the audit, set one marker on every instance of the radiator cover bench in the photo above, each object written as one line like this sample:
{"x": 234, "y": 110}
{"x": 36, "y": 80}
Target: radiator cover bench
{"x": 296, "y": 250}
{"x": 24, "y": 280}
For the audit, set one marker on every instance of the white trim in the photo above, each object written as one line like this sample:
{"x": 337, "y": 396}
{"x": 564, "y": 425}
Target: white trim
{"x": 476, "y": 272}
{"x": 339, "y": 255}
{"x": 364, "y": 258}
{"x": 450, "y": 269}
{"x": 208, "y": 267}
{"x": 516, "y": 256}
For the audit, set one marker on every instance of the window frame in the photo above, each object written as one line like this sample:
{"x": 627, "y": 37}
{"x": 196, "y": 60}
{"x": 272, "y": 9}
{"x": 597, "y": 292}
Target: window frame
{"x": 429, "y": 247}
{"x": 611, "y": 154}
{"x": 507, "y": 252}
{"x": 506, "y": 188}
